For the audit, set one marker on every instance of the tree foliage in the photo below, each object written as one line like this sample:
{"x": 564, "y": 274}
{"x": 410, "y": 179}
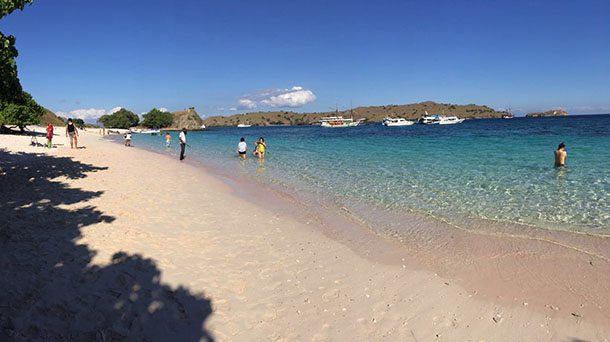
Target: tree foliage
{"x": 8, "y": 6}
{"x": 10, "y": 87}
{"x": 157, "y": 119}
{"x": 21, "y": 111}
{"x": 123, "y": 118}
{"x": 16, "y": 106}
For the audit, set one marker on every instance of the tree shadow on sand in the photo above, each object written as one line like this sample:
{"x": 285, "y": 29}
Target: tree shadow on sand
{"x": 49, "y": 290}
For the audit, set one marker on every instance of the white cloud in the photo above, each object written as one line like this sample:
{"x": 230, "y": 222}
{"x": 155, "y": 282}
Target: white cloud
{"x": 296, "y": 96}
{"x": 87, "y": 114}
{"x": 246, "y": 104}
{"x": 163, "y": 109}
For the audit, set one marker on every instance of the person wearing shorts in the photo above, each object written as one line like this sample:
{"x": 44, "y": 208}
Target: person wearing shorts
{"x": 72, "y": 132}
{"x": 242, "y": 147}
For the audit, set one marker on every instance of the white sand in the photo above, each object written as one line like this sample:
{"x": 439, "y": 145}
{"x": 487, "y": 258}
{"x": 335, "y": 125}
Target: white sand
{"x": 267, "y": 274}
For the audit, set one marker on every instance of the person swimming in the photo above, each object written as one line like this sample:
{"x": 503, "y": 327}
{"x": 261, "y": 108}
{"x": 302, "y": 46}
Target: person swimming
{"x": 560, "y": 155}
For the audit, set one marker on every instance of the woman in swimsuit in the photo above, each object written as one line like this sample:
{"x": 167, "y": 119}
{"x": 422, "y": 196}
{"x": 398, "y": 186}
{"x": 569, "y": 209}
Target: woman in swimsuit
{"x": 260, "y": 148}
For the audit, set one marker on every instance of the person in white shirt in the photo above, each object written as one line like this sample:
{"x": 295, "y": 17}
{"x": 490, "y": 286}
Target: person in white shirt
{"x": 182, "y": 139}
{"x": 128, "y": 139}
{"x": 242, "y": 147}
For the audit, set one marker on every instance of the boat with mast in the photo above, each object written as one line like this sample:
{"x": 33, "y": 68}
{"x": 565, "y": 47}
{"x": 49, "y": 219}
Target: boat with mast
{"x": 339, "y": 121}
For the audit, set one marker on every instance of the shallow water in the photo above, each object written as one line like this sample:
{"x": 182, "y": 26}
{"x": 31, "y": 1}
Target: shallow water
{"x": 489, "y": 169}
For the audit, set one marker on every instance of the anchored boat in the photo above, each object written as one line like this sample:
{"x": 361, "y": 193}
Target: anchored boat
{"x": 396, "y": 122}
{"x": 339, "y": 121}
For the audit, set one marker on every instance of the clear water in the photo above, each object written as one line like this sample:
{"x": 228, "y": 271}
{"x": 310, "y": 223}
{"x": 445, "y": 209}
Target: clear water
{"x": 491, "y": 169}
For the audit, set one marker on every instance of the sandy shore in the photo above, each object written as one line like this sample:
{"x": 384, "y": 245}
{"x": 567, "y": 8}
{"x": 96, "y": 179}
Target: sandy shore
{"x": 108, "y": 242}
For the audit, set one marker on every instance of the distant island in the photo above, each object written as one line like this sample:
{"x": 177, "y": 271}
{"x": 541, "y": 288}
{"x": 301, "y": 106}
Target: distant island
{"x": 553, "y": 112}
{"x": 370, "y": 113}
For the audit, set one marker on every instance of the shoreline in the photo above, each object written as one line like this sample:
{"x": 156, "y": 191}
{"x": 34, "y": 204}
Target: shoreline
{"x": 390, "y": 277}
{"x": 390, "y": 248}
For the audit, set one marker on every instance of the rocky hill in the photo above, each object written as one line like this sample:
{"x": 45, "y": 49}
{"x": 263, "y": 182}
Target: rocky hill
{"x": 552, "y": 112}
{"x": 187, "y": 118}
{"x": 370, "y": 113}
{"x": 48, "y": 116}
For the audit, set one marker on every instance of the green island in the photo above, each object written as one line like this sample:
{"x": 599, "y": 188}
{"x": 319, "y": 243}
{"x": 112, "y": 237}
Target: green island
{"x": 552, "y": 112}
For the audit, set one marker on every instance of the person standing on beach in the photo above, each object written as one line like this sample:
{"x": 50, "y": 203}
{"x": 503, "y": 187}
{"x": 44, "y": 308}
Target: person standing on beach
{"x": 49, "y": 135}
{"x": 242, "y": 147}
{"x": 73, "y": 133}
{"x": 168, "y": 140}
{"x": 560, "y": 155}
{"x": 182, "y": 140}
{"x": 128, "y": 139}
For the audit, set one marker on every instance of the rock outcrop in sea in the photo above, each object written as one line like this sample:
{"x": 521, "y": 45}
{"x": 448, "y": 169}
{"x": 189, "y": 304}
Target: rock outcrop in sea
{"x": 552, "y": 112}
{"x": 187, "y": 118}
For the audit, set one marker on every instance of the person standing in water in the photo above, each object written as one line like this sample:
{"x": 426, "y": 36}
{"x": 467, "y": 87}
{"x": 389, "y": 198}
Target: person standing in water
{"x": 182, "y": 140}
{"x": 242, "y": 147}
{"x": 168, "y": 140}
{"x": 49, "y": 135}
{"x": 73, "y": 133}
{"x": 259, "y": 150}
{"x": 560, "y": 155}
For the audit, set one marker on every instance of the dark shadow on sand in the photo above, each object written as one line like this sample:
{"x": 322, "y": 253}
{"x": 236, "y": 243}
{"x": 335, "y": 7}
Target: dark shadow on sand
{"x": 48, "y": 290}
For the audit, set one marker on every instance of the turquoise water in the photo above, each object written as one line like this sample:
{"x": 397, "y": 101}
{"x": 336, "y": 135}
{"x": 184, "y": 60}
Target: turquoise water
{"x": 490, "y": 169}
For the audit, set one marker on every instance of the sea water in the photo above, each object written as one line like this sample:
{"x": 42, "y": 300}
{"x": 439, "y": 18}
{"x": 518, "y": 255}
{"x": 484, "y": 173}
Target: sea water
{"x": 486, "y": 169}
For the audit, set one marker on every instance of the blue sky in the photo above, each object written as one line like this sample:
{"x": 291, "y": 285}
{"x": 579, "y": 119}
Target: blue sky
{"x": 223, "y": 57}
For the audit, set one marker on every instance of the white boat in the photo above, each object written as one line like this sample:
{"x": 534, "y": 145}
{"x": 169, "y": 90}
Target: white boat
{"x": 338, "y": 121}
{"x": 396, "y": 122}
{"x": 434, "y": 119}
{"x": 450, "y": 120}
{"x": 145, "y": 131}
{"x": 243, "y": 126}
{"x": 202, "y": 126}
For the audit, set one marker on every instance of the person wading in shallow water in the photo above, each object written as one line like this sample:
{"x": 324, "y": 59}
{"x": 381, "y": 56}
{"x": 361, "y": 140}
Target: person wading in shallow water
{"x": 560, "y": 155}
{"x": 182, "y": 140}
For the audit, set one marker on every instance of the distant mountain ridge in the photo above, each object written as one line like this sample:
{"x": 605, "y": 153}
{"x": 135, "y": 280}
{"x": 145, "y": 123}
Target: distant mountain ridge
{"x": 370, "y": 113}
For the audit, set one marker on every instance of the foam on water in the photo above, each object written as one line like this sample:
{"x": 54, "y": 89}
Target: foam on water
{"x": 500, "y": 170}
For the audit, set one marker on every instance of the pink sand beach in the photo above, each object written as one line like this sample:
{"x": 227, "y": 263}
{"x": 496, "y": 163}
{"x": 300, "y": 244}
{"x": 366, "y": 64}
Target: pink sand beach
{"x": 113, "y": 243}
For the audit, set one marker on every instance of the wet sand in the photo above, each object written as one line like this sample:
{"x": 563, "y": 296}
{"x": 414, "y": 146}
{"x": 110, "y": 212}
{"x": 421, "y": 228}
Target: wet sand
{"x": 169, "y": 249}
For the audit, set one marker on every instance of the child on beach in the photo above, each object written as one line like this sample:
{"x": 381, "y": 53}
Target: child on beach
{"x": 242, "y": 147}
{"x": 168, "y": 140}
{"x": 259, "y": 150}
{"x": 49, "y": 135}
{"x": 128, "y": 139}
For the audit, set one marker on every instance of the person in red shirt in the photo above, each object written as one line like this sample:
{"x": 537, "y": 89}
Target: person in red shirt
{"x": 49, "y": 135}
